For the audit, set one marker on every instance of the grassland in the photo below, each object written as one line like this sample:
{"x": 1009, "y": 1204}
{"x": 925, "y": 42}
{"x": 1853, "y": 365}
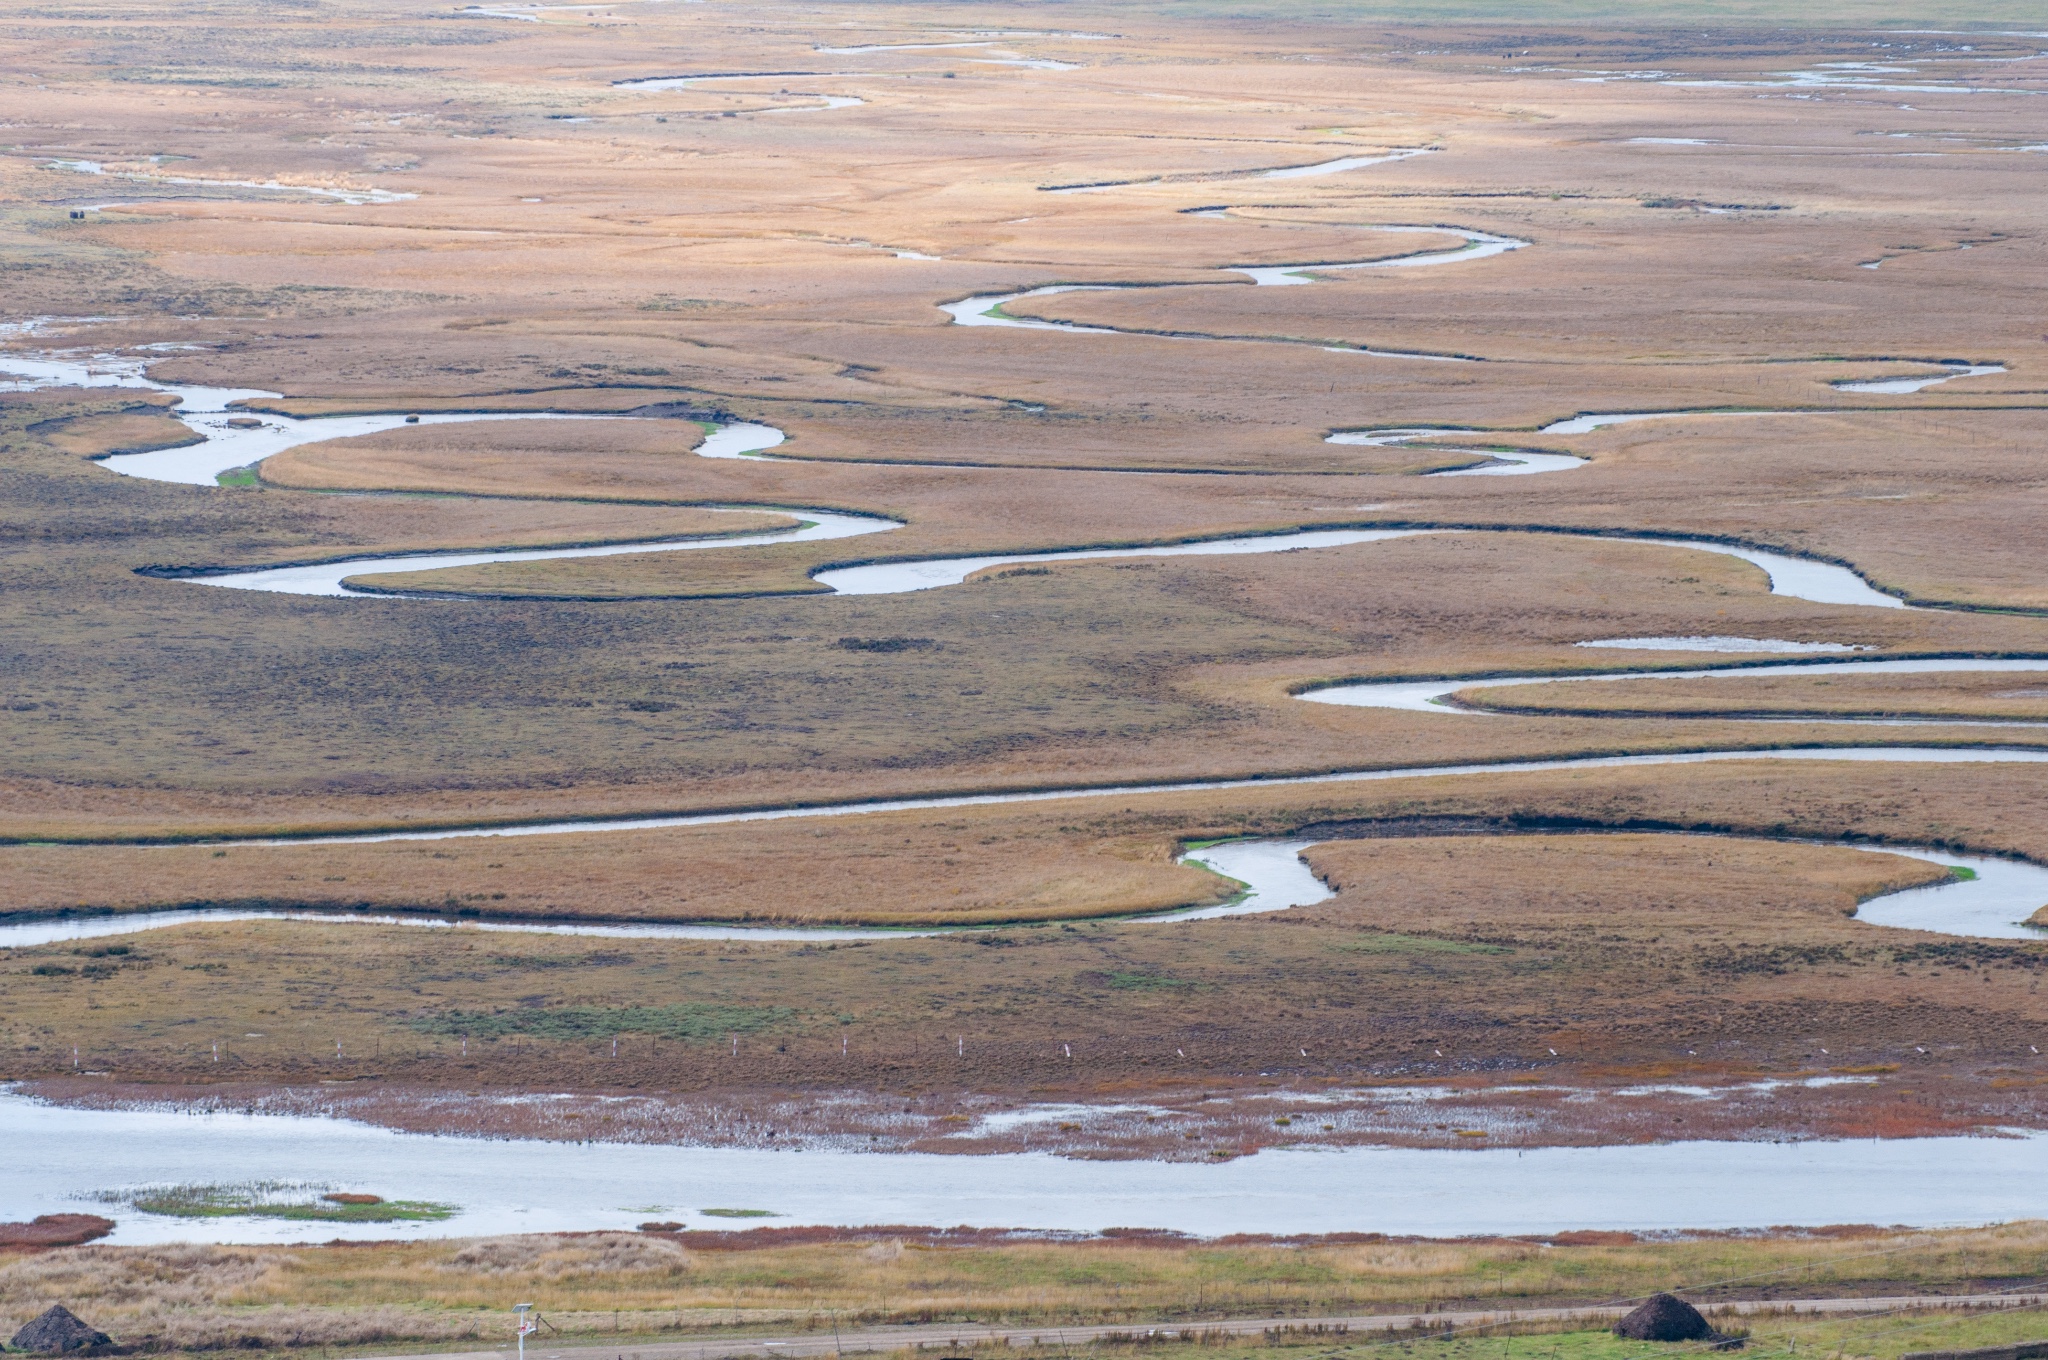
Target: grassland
{"x": 207, "y": 710}
{"x": 1625, "y": 953}
{"x": 1698, "y": 241}
{"x": 624, "y": 1288}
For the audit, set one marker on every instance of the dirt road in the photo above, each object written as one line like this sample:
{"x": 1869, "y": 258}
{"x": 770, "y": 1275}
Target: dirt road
{"x": 947, "y": 1336}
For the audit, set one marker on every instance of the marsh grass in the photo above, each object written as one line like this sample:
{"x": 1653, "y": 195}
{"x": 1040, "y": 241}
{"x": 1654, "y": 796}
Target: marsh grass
{"x": 686, "y": 1022}
{"x": 1150, "y": 982}
{"x": 289, "y": 1200}
{"x": 1417, "y": 944}
{"x": 1521, "y": 923}
{"x": 607, "y": 1286}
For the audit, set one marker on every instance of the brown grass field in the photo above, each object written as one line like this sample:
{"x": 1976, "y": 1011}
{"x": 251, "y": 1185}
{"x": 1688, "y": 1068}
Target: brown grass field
{"x": 1730, "y": 210}
{"x": 628, "y": 1289}
{"x": 1462, "y": 960}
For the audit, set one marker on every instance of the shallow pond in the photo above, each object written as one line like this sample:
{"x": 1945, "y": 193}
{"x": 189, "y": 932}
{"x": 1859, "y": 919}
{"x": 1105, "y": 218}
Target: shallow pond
{"x": 59, "y": 1158}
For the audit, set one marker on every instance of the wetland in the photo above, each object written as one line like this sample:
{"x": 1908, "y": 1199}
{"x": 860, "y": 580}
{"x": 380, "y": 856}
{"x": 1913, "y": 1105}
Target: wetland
{"x": 1056, "y": 645}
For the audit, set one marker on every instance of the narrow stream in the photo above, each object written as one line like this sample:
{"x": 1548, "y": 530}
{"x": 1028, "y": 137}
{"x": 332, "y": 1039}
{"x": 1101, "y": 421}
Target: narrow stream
{"x": 1310, "y": 171}
{"x": 1795, "y": 577}
{"x": 1590, "y": 421}
{"x": 986, "y": 309}
{"x": 1899, "y": 386}
{"x": 1993, "y": 903}
{"x": 333, "y": 578}
{"x": 1479, "y": 245}
{"x": 355, "y": 198}
{"x": 233, "y": 438}
{"x": 1343, "y": 163}
{"x": 1510, "y": 462}
{"x": 1429, "y": 696}
{"x": 739, "y": 440}
{"x": 896, "y": 578}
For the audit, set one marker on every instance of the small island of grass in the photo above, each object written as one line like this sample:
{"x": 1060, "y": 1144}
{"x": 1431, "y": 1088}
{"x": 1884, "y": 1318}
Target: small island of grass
{"x": 272, "y": 1199}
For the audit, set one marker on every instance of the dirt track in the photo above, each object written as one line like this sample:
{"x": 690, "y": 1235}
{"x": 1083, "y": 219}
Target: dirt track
{"x": 944, "y": 1335}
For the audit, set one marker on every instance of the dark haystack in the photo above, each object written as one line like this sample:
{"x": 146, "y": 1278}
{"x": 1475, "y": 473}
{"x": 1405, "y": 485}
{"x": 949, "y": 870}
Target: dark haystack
{"x": 1666, "y": 1317}
{"x": 57, "y": 1331}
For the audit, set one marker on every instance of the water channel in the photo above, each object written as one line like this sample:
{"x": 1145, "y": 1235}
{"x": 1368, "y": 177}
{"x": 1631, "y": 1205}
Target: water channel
{"x": 332, "y": 578}
{"x": 63, "y": 1160}
{"x": 1429, "y": 696}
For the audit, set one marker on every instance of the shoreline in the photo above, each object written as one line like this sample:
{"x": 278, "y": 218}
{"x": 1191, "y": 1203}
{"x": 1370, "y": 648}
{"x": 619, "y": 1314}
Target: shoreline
{"x": 1164, "y": 1121}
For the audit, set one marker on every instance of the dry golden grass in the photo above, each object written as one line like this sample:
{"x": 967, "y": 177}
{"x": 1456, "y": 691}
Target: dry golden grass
{"x": 92, "y": 436}
{"x": 990, "y": 865}
{"x": 740, "y": 705}
{"x": 1616, "y": 950}
{"x": 204, "y": 1298}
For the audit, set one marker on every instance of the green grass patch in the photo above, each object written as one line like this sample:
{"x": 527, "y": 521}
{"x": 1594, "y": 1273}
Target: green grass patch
{"x": 241, "y": 476}
{"x": 1959, "y": 873}
{"x": 739, "y": 1213}
{"x": 1416, "y": 944}
{"x": 689, "y": 1022}
{"x": 283, "y": 1199}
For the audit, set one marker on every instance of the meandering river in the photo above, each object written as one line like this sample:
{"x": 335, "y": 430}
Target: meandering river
{"x": 332, "y": 578}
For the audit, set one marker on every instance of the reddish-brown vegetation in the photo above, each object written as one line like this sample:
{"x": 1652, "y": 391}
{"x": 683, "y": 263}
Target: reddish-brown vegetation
{"x": 46, "y": 1231}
